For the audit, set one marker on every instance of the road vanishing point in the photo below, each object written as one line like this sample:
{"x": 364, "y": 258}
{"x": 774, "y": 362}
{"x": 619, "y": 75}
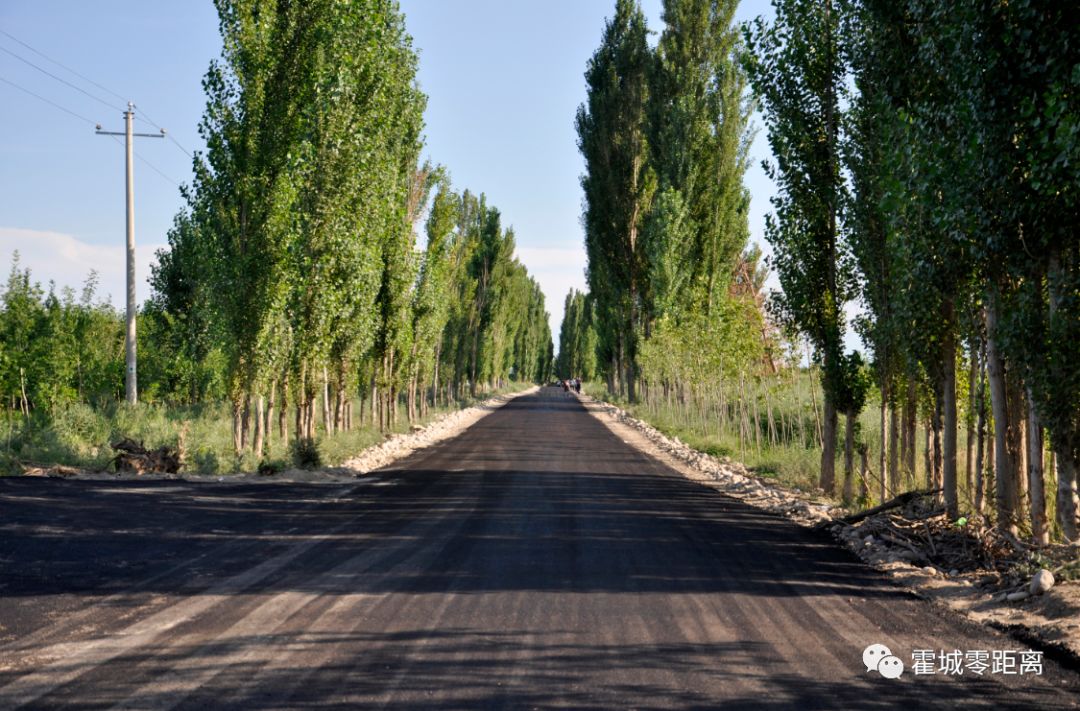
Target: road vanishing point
{"x": 534, "y": 561}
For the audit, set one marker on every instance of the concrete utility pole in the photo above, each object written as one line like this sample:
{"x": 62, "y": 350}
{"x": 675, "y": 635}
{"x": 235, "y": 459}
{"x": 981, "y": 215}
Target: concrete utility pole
{"x": 131, "y": 382}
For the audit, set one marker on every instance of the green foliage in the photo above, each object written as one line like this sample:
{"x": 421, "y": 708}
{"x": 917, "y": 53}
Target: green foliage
{"x": 304, "y": 452}
{"x": 664, "y": 134}
{"x": 577, "y": 339}
{"x": 292, "y": 275}
{"x": 617, "y": 186}
{"x": 796, "y": 70}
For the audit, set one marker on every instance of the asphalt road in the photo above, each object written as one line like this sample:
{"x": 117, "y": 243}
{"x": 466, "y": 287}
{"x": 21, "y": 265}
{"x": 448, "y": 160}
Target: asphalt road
{"x": 535, "y": 561}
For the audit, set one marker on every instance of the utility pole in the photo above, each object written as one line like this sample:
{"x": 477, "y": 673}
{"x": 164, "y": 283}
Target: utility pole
{"x": 131, "y": 382}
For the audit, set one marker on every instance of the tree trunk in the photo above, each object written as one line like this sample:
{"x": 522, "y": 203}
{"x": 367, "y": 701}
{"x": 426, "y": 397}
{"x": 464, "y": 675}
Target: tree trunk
{"x": 980, "y": 445}
{"x": 283, "y": 413}
{"x": 948, "y": 444}
{"x": 849, "y": 453}
{"x": 327, "y": 424}
{"x": 245, "y": 423}
{"x": 828, "y": 449}
{"x": 882, "y": 459}
{"x": 342, "y": 397}
{"x": 1063, "y": 436}
{"x": 1017, "y": 436}
{"x": 260, "y": 427}
{"x": 268, "y": 421}
{"x": 969, "y": 421}
{"x": 1040, "y": 532}
{"x": 1067, "y": 501}
{"x": 894, "y": 454}
{"x": 237, "y": 419}
{"x": 928, "y": 455}
{"x": 1004, "y": 470}
{"x": 911, "y": 414}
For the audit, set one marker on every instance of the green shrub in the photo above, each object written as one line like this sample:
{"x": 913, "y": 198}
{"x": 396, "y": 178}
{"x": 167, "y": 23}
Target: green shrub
{"x": 305, "y": 453}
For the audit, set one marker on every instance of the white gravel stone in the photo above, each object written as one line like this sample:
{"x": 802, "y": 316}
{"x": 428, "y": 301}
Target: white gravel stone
{"x": 1042, "y": 582}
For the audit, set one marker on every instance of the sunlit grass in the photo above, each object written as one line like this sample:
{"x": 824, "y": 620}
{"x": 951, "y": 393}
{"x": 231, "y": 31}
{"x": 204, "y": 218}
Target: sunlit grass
{"x": 79, "y": 435}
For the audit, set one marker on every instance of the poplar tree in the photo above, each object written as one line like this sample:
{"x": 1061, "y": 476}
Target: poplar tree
{"x": 796, "y": 70}
{"x": 617, "y": 186}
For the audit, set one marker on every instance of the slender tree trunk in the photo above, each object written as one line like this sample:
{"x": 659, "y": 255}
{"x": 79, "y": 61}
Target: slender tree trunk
{"x": 301, "y": 404}
{"x": 911, "y": 423}
{"x": 1067, "y": 501}
{"x": 1017, "y": 437}
{"x": 245, "y": 423}
{"x": 260, "y": 427}
{"x": 268, "y": 418}
{"x": 980, "y": 445}
{"x": 948, "y": 384}
{"x": 938, "y": 451}
{"x": 969, "y": 421}
{"x": 864, "y": 473}
{"x": 884, "y": 437}
{"x": 849, "y": 453}
{"x": 300, "y": 407}
{"x": 1063, "y": 436}
{"x": 339, "y": 400}
{"x": 1040, "y": 531}
{"x": 828, "y": 450}
{"x": 928, "y": 455}
{"x": 327, "y": 424}
{"x": 894, "y": 454}
{"x": 238, "y": 416}
{"x": 1004, "y": 470}
{"x": 283, "y": 413}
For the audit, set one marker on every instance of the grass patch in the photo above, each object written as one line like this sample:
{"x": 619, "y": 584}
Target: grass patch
{"x": 78, "y": 435}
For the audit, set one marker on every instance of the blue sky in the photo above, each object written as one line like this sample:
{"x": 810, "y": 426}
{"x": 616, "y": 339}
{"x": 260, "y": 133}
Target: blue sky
{"x": 504, "y": 78}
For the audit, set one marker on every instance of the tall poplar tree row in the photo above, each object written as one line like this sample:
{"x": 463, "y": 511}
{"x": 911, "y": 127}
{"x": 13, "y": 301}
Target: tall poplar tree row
{"x": 618, "y": 188}
{"x": 664, "y": 137}
{"x": 298, "y": 248}
{"x": 796, "y": 70}
{"x": 959, "y": 143}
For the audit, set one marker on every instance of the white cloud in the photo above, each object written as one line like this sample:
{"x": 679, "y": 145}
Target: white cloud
{"x": 557, "y": 270}
{"x": 66, "y": 260}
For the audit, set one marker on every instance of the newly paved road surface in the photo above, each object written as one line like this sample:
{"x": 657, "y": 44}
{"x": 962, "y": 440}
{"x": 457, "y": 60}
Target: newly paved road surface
{"x": 536, "y": 561}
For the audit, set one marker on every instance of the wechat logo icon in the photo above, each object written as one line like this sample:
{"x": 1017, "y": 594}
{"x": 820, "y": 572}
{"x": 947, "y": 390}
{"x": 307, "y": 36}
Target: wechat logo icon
{"x": 878, "y": 657}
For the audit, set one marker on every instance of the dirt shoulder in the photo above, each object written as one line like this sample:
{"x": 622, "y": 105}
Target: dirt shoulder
{"x": 998, "y": 593}
{"x": 395, "y": 447}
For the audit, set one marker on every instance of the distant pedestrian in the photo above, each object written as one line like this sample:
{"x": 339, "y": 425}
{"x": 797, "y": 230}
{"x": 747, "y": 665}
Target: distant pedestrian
{"x": 577, "y": 385}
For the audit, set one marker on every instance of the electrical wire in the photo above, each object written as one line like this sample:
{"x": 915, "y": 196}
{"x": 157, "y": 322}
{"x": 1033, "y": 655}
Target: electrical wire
{"x": 48, "y": 101}
{"x": 62, "y": 81}
{"x": 85, "y": 78}
{"x": 149, "y": 165}
{"x": 62, "y": 66}
{"x": 167, "y": 134}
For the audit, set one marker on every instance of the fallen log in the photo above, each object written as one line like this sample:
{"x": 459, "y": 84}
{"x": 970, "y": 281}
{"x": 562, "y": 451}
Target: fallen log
{"x": 894, "y": 503}
{"x": 132, "y": 456}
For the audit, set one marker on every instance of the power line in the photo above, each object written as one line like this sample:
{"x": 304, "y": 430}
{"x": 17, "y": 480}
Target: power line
{"x": 85, "y": 78}
{"x": 149, "y": 165}
{"x": 59, "y": 79}
{"x": 47, "y": 101}
{"x": 62, "y": 66}
{"x": 167, "y": 134}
